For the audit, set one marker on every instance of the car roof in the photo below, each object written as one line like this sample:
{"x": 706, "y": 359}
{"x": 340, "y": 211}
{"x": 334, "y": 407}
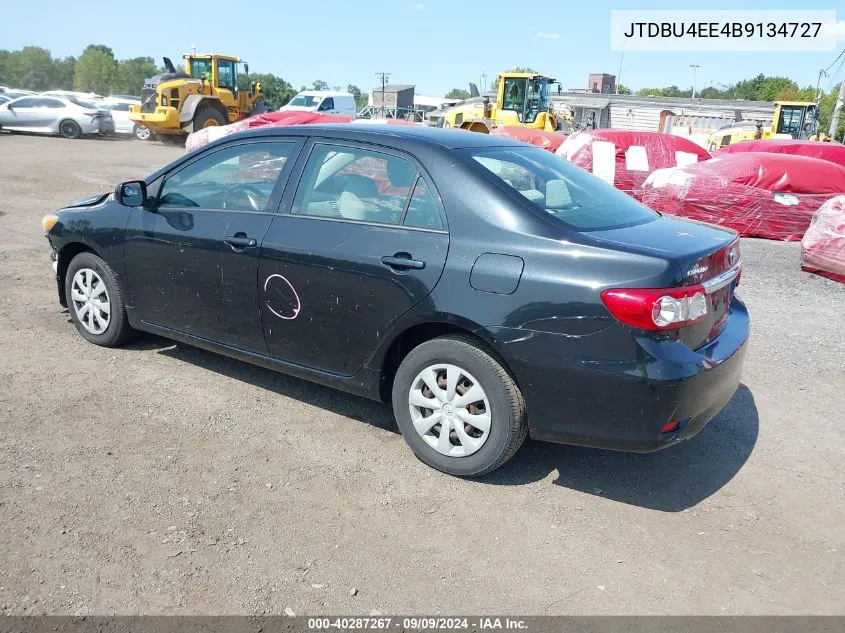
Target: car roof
{"x": 323, "y": 93}
{"x": 396, "y": 135}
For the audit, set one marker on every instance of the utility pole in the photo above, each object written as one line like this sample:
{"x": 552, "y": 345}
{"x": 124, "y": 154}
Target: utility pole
{"x": 384, "y": 77}
{"x": 822, "y": 73}
{"x": 695, "y": 68}
{"x": 483, "y": 81}
{"x": 619, "y": 75}
{"x": 837, "y": 110}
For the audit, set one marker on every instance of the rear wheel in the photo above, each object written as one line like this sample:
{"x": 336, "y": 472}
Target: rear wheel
{"x": 458, "y": 408}
{"x": 208, "y": 116}
{"x": 142, "y": 132}
{"x": 95, "y": 301}
{"x": 70, "y": 129}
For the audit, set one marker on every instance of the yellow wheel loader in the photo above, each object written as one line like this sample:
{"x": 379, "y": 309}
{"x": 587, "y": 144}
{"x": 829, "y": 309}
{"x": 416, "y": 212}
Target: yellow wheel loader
{"x": 522, "y": 99}
{"x": 791, "y": 119}
{"x": 174, "y": 104}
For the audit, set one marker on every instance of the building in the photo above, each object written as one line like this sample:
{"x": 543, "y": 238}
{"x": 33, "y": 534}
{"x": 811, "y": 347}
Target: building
{"x": 394, "y": 101}
{"x": 601, "y": 83}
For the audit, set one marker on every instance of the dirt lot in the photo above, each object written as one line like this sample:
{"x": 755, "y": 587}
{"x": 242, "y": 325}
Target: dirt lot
{"x": 164, "y": 479}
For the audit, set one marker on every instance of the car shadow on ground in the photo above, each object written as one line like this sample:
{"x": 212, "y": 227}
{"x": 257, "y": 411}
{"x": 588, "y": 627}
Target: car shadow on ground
{"x": 339, "y": 402}
{"x": 671, "y": 480}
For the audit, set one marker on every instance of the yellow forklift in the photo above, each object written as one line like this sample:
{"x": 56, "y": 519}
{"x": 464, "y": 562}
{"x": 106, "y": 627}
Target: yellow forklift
{"x": 174, "y": 104}
{"x": 791, "y": 119}
{"x": 522, "y": 99}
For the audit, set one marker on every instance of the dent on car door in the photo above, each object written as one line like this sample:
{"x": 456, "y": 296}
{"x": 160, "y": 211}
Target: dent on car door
{"x": 192, "y": 260}
{"x": 364, "y": 241}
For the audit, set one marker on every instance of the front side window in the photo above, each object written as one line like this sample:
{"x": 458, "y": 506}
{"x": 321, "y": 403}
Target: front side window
{"x": 25, "y": 103}
{"x": 201, "y": 69}
{"x": 326, "y": 105}
{"x": 567, "y": 193}
{"x": 226, "y": 74}
{"x": 790, "y": 119}
{"x": 238, "y": 178}
{"x": 354, "y": 184}
{"x": 514, "y": 98}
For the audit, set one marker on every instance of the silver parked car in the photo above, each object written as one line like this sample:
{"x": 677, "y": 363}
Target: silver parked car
{"x": 67, "y": 116}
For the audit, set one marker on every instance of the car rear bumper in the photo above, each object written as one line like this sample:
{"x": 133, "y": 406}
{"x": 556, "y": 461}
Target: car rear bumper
{"x": 623, "y": 399}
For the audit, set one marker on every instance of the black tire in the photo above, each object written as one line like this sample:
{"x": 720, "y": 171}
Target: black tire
{"x": 70, "y": 129}
{"x": 205, "y": 115}
{"x": 508, "y": 427}
{"x": 118, "y": 330}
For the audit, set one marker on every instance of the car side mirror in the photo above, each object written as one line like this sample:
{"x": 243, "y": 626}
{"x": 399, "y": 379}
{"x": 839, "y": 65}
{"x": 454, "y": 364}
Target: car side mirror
{"x": 132, "y": 193}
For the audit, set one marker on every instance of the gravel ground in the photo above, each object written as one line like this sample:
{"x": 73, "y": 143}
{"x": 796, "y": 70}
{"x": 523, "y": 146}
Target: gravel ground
{"x": 163, "y": 479}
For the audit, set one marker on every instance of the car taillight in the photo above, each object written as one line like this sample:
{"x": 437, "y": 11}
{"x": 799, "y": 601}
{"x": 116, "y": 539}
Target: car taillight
{"x": 656, "y": 308}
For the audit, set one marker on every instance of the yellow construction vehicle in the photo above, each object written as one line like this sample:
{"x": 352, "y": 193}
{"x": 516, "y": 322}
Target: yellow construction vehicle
{"x": 174, "y": 104}
{"x": 791, "y": 119}
{"x": 522, "y": 99}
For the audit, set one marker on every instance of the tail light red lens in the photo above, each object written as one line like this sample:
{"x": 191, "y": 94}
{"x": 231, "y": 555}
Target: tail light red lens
{"x": 657, "y": 308}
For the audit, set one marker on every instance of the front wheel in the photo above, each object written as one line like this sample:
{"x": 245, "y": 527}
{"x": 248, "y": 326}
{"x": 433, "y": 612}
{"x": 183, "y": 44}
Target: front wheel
{"x": 458, "y": 408}
{"x": 96, "y": 301}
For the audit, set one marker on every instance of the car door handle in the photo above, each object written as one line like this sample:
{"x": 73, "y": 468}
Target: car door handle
{"x": 240, "y": 241}
{"x": 402, "y": 261}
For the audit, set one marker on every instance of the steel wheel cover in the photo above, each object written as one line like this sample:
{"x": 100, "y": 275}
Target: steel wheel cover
{"x": 90, "y": 300}
{"x": 450, "y": 410}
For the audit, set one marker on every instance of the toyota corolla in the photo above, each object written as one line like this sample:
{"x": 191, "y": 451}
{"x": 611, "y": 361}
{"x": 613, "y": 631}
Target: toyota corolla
{"x": 488, "y": 289}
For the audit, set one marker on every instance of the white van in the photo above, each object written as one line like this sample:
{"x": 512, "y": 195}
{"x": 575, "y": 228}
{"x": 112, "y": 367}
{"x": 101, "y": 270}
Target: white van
{"x": 325, "y": 101}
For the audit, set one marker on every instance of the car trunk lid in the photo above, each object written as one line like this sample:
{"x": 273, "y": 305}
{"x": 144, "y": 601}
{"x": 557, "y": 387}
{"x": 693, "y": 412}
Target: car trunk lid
{"x": 702, "y": 255}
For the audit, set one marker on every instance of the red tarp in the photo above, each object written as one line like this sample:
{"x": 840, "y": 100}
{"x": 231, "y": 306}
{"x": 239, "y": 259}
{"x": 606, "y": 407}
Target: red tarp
{"x": 832, "y": 152}
{"x": 758, "y": 194}
{"x": 823, "y": 245}
{"x": 547, "y": 140}
{"x": 203, "y": 137}
{"x": 625, "y": 158}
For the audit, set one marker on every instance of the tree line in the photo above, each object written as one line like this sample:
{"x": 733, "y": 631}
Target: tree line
{"x": 97, "y": 70}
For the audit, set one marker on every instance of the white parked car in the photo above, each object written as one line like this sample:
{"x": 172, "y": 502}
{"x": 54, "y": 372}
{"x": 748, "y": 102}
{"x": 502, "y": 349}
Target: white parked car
{"x": 324, "y": 101}
{"x": 119, "y": 108}
{"x": 69, "y": 117}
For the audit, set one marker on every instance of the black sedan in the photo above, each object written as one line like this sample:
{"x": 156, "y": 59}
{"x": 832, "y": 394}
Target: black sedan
{"x": 489, "y": 289}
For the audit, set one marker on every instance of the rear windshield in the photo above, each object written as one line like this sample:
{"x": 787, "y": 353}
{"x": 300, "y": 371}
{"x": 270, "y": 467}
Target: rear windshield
{"x": 564, "y": 191}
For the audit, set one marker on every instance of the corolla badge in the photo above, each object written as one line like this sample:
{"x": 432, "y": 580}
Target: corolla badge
{"x": 281, "y": 297}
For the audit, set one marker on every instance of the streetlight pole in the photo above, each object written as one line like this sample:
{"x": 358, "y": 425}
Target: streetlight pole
{"x": 695, "y": 68}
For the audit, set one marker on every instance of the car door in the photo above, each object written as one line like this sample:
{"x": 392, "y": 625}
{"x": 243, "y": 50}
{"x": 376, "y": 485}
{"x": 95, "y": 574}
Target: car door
{"x": 47, "y": 114}
{"x": 192, "y": 258}
{"x": 361, "y": 241}
{"x": 20, "y": 114}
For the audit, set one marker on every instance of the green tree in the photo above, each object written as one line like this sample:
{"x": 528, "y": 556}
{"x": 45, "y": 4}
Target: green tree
{"x": 277, "y": 92}
{"x": 358, "y": 94}
{"x": 32, "y": 65}
{"x": 515, "y": 69}
{"x": 319, "y": 85}
{"x": 63, "y": 71}
{"x": 623, "y": 89}
{"x": 96, "y": 71}
{"x": 131, "y": 74}
{"x": 4, "y": 57}
{"x": 457, "y": 93}
{"x": 99, "y": 47}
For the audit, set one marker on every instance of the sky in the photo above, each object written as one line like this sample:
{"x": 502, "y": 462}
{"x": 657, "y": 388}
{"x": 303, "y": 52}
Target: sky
{"x": 434, "y": 44}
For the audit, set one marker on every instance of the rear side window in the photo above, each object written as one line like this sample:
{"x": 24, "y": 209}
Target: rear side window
{"x": 564, "y": 191}
{"x": 422, "y": 209}
{"x": 50, "y": 103}
{"x": 354, "y": 184}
